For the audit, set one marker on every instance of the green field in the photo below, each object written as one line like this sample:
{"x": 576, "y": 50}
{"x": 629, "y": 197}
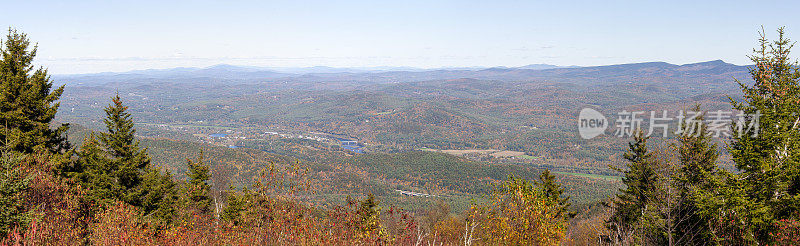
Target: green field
{"x": 528, "y": 157}
{"x": 596, "y": 176}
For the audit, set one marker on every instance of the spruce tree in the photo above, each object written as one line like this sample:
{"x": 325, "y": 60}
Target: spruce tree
{"x": 142, "y": 185}
{"x": 129, "y": 161}
{"x": 94, "y": 171}
{"x": 27, "y": 107}
{"x": 156, "y": 195}
{"x": 698, "y": 156}
{"x": 640, "y": 180}
{"x": 766, "y": 145}
{"x": 112, "y": 167}
{"x": 27, "y": 103}
{"x": 199, "y": 191}
{"x": 553, "y": 192}
{"x": 236, "y": 204}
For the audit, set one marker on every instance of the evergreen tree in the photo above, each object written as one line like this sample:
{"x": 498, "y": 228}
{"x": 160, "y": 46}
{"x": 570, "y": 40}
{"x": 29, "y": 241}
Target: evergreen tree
{"x": 129, "y": 161}
{"x": 553, "y": 192}
{"x": 13, "y": 184}
{"x": 199, "y": 191}
{"x": 640, "y": 180}
{"x": 766, "y": 145}
{"x": 156, "y": 195}
{"x": 94, "y": 171}
{"x": 697, "y": 154}
{"x": 235, "y": 204}
{"x": 27, "y": 104}
{"x": 698, "y": 157}
{"x": 111, "y": 166}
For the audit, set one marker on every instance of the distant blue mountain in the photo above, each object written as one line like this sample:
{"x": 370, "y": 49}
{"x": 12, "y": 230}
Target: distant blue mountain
{"x": 543, "y": 66}
{"x": 231, "y": 74}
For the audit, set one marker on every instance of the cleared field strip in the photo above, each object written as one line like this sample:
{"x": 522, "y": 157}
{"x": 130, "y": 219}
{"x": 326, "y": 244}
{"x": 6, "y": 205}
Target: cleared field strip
{"x": 490, "y": 152}
{"x": 595, "y": 176}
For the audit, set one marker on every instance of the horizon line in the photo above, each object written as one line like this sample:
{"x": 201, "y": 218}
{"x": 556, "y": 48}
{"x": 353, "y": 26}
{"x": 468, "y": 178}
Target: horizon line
{"x": 379, "y": 68}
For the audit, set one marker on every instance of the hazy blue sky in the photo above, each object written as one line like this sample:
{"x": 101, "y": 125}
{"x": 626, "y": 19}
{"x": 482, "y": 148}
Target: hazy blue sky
{"x": 97, "y": 36}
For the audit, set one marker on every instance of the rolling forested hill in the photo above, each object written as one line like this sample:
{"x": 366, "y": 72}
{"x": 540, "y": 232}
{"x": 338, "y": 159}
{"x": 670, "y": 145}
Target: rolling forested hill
{"x": 393, "y": 114}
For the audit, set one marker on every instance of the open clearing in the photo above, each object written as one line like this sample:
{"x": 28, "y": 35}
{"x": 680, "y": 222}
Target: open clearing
{"x": 596, "y": 176}
{"x": 507, "y": 154}
{"x": 491, "y": 152}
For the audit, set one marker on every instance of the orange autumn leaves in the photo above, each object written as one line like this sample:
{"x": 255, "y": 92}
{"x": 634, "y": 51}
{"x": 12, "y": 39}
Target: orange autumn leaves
{"x": 520, "y": 214}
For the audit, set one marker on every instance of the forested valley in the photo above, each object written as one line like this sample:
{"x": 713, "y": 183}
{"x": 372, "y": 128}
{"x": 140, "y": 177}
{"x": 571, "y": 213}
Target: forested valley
{"x": 241, "y": 156}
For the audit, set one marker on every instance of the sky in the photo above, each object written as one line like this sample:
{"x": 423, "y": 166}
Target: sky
{"x": 116, "y": 36}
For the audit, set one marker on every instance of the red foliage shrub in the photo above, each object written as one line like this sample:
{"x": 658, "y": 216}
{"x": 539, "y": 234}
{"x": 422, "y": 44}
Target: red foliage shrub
{"x": 787, "y": 232}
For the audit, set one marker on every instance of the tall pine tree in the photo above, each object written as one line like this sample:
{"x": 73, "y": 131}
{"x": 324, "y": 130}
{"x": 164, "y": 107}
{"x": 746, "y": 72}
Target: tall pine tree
{"x": 198, "y": 190}
{"x": 113, "y": 167}
{"x": 553, "y": 191}
{"x": 640, "y": 180}
{"x": 129, "y": 161}
{"x": 27, "y": 103}
{"x": 766, "y": 148}
{"x": 27, "y": 107}
{"x": 697, "y": 155}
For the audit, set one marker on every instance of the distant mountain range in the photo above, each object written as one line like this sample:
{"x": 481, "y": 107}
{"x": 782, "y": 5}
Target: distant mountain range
{"x": 229, "y": 74}
{"x": 298, "y": 70}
